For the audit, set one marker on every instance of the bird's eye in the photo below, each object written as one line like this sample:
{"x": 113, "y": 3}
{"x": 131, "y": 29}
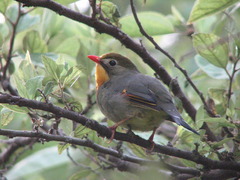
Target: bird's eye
{"x": 112, "y": 63}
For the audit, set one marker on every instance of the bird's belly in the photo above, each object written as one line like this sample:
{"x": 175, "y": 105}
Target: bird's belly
{"x": 117, "y": 107}
{"x": 146, "y": 120}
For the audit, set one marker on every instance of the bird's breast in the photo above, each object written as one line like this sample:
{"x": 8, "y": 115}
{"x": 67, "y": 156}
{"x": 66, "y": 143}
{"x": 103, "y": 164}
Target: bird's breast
{"x": 101, "y": 76}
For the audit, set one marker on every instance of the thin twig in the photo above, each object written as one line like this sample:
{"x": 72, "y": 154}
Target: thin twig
{"x": 90, "y": 103}
{"x": 94, "y": 10}
{"x": 17, "y": 143}
{"x": 27, "y": 145}
{"x": 14, "y": 29}
{"x": 92, "y": 158}
{"x": 28, "y": 11}
{"x": 82, "y": 165}
{"x": 231, "y": 77}
{"x": 181, "y": 170}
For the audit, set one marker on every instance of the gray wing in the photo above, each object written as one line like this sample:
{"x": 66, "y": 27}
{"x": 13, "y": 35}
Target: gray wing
{"x": 150, "y": 92}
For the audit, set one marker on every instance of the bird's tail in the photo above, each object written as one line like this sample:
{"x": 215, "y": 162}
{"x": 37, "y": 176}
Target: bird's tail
{"x": 180, "y": 121}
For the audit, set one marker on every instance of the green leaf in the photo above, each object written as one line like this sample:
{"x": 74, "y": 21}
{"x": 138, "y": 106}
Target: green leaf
{"x": 51, "y": 19}
{"x": 110, "y": 11}
{"x": 44, "y": 164}
{"x": 16, "y": 108}
{"x": 4, "y": 29}
{"x": 51, "y": 67}
{"x": 12, "y": 12}
{"x": 6, "y": 116}
{"x": 48, "y": 88}
{"x": 204, "y": 8}
{"x": 69, "y": 46}
{"x": 27, "y": 21}
{"x": 211, "y": 48}
{"x": 188, "y": 163}
{"x": 33, "y": 85}
{"x": 65, "y": 2}
{"x": 3, "y": 5}
{"x": 33, "y": 43}
{"x": 158, "y": 138}
{"x": 72, "y": 75}
{"x": 26, "y": 68}
{"x": 80, "y": 131}
{"x": 220, "y": 143}
{"x": 37, "y": 57}
{"x": 62, "y": 147}
{"x": 177, "y": 14}
{"x": 211, "y": 70}
{"x": 21, "y": 88}
{"x": 152, "y": 22}
{"x": 137, "y": 150}
{"x": 26, "y": 71}
{"x": 218, "y": 94}
{"x": 76, "y": 106}
{"x": 62, "y": 67}
{"x": 230, "y": 112}
{"x": 220, "y": 122}
{"x": 206, "y": 25}
{"x": 66, "y": 126}
{"x": 81, "y": 174}
{"x": 48, "y": 79}
{"x": 201, "y": 114}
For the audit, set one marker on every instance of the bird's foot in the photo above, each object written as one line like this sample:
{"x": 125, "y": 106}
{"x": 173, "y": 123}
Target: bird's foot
{"x": 151, "y": 141}
{"x": 149, "y": 151}
{"x": 114, "y": 127}
{"x": 113, "y": 130}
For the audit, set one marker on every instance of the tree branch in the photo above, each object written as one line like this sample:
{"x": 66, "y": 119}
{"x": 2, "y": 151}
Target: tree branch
{"x": 220, "y": 175}
{"x": 121, "y": 160}
{"x": 106, "y": 132}
{"x": 182, "y": 170}
{"x": 14, "y": 29}
{"x": 76, "y": 141}
{"x": 231, "y": 77}
{"x": 90, "y": 103}
{"x": 94, "y": 10}
{"x": 178, "y": 172}
{"x": 14, "y": 146}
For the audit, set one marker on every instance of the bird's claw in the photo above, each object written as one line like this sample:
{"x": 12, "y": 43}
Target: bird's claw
{"x": 113, "y": 130}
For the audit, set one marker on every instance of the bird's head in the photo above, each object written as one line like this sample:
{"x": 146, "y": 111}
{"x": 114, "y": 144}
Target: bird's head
{"x": 109, "y": 65}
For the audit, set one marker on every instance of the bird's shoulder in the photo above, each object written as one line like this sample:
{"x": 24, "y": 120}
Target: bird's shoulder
{"x": 148, "y": 83}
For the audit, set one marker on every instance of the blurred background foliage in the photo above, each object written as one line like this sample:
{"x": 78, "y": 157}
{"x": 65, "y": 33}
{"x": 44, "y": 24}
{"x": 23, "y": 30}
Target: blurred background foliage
{"x": 49, "y": 54}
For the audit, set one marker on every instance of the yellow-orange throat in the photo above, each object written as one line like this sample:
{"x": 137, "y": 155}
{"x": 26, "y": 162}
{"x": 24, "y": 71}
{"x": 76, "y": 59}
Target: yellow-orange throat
{"x": 101, "y": 76}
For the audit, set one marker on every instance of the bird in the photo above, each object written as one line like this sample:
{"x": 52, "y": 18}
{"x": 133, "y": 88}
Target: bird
{"x": 131, "y": 99}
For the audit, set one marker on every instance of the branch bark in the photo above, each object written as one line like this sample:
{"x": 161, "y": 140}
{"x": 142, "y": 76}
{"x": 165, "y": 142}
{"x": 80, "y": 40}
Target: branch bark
{"x": 105, "y": 132}
{"x": 14, "y": 146}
